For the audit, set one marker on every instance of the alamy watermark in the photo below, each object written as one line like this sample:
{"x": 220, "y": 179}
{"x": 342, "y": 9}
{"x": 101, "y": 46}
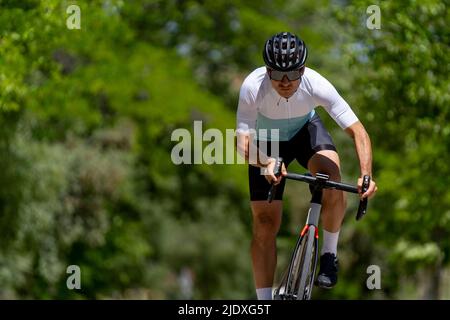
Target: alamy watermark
{"x": 74, "y": 280}
{"x": 374, "y": 280}
{"x": 374, "y": 20}
{"x": 222, "y": 148}
{"x": 73, "y": 21}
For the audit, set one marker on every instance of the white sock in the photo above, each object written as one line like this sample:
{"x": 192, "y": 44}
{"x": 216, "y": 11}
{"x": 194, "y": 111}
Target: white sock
{"x": 264, "y": 293}
{"x": 330, "y": 241}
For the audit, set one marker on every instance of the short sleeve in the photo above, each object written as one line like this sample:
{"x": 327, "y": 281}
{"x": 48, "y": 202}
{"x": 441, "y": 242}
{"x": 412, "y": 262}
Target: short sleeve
{"x": 326, "y": 95}
{"x": 247, "y": 111}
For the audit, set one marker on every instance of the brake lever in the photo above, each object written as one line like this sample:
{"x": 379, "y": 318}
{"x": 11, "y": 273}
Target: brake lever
{"x": 277, "y": 173}
{"x": 362, "y": 208}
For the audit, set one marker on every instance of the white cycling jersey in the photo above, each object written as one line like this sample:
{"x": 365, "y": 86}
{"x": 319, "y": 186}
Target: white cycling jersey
{"x": 261, "y": 107}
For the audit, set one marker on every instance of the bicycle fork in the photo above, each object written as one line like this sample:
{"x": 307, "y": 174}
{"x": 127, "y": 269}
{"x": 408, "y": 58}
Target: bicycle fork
{"x": 308, "y": 264}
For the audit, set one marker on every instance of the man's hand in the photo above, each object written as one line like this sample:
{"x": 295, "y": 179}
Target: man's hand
{"x": 370, "y": 191}
{"x": 269, "y": 174}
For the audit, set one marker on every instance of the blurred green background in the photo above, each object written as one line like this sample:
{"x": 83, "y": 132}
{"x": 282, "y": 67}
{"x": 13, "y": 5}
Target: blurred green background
{"x": 86, "y": 118}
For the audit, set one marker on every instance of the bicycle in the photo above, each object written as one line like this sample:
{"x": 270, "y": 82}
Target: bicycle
{"x": 297, "y": 282}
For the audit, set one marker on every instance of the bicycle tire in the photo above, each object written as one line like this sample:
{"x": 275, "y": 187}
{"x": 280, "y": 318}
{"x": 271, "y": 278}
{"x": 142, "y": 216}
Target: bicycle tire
{"x": 286, "y": 290}
{"x": 293, "y": 271}
{"x": 307, "y": 265}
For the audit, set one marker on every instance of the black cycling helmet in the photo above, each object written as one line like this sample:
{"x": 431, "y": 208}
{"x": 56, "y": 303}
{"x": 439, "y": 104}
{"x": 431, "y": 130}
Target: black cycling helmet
{"x": 285, "y": 51}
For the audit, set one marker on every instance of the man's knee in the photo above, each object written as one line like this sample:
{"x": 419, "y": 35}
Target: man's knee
{"x": 326, "y": 162}
{"x": 332, "y": 170}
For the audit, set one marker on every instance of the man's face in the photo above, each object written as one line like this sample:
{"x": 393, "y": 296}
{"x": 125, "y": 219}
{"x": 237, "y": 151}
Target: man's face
{"x": 285, "y": 87}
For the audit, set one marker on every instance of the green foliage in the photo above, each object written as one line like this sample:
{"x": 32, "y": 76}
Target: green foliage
{"x": 87, "y": 177}
{"x": 401, "y": 85}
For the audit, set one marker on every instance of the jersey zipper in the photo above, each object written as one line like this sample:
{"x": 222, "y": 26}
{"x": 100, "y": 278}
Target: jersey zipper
{"x": 289, "y": 119}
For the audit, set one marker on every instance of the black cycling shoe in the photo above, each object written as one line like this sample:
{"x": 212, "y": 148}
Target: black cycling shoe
{"x": 327, "y": 277}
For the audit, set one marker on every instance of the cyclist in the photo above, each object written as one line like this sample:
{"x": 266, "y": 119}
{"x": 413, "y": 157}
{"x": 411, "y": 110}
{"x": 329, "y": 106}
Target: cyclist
{"x": 283, "y": 95}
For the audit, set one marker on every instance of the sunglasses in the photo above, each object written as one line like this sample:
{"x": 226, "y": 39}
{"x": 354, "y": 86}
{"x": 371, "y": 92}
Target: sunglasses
{"x": 279, "y": 75}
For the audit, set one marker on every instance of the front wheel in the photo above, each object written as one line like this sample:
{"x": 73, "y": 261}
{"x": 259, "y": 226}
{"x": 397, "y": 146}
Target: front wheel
{"x": 308, "y": 264}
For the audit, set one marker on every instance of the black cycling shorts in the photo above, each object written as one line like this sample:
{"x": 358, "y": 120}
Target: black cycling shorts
{"x": 311, "y": 138}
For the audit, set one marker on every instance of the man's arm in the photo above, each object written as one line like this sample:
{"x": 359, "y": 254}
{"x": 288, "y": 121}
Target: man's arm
{"x": 364, "y": 151}
{"x": 243, "y": 148}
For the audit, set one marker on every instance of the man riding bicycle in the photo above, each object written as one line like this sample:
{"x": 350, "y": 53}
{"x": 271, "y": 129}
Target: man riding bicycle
{"x": 282, "y": 95}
